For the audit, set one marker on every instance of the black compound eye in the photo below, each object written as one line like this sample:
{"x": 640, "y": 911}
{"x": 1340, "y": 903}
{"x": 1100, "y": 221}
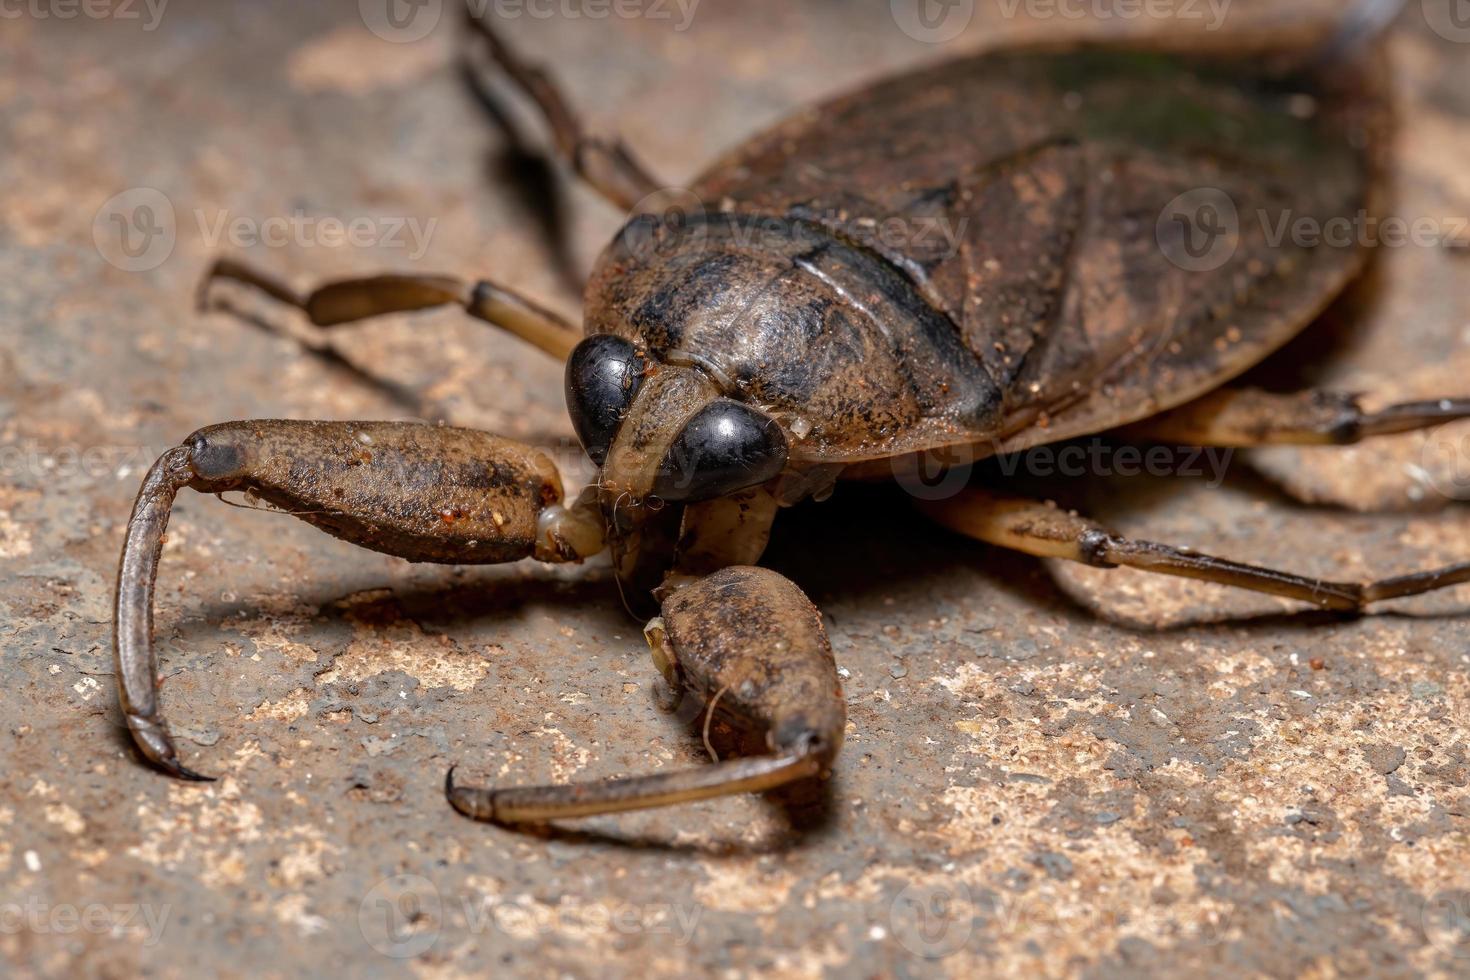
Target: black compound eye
{"x": 603, "y": 375}
{"x": 727, "y": 446}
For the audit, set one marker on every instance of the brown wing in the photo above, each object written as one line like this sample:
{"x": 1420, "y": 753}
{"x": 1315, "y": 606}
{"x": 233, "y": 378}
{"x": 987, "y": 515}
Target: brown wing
{"x": 1102, "y": 226}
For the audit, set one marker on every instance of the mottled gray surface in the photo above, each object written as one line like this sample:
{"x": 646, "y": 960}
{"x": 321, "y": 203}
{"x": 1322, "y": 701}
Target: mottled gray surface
{"x": 1273, "y": 794}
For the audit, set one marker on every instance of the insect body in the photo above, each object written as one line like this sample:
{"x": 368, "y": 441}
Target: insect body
{"x": 743, "y": 355}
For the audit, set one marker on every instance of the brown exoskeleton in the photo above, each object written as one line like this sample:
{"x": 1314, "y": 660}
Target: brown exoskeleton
{"x": 738, "y": 360}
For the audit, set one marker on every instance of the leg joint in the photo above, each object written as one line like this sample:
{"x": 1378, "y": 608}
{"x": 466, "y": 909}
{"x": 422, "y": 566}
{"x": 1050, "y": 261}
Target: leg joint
{"x": 1093, "y": 548}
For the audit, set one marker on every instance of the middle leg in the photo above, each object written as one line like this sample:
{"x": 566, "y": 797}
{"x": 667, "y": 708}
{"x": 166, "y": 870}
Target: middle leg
{"x": 350, "y": 300}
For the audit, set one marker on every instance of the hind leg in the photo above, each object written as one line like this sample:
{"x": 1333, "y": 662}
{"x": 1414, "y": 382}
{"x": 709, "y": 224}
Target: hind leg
{"x": 1245, "y": 418}
{"x": 350, "y": 300}
{"x": 1289, "y": 440}
{"x": 605, "y": 165}
{"x": 1046, "y": 531}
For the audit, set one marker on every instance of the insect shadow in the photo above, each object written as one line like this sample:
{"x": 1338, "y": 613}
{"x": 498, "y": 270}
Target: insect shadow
{"x": 526, "y": 173}
{"x": 492, "y": 604}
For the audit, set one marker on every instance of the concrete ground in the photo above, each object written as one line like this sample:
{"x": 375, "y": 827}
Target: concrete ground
{"x": 1047, "y": 769}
